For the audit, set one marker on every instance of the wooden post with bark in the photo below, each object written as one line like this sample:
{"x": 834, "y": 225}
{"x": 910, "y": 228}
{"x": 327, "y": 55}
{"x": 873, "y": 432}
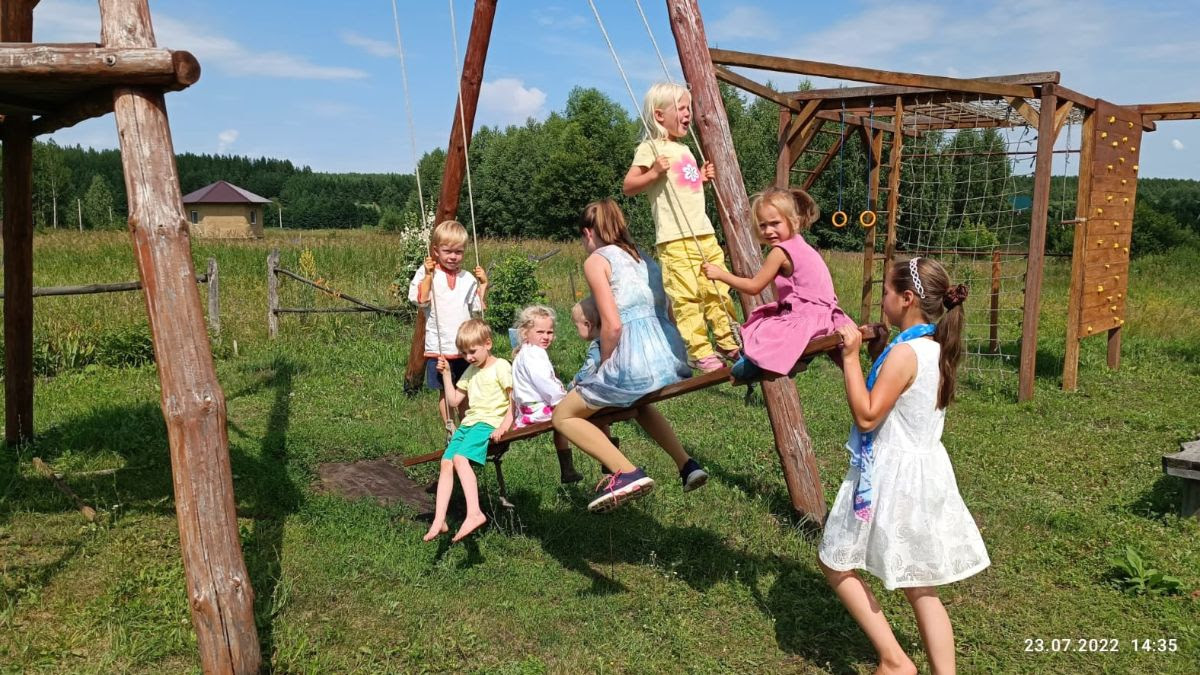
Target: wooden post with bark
{"x": 214, "y": 298}
{"x": 783, "y": 403}
{"x": 219, "y": 594}
{"x": 1037, "y": 243}
{"x": 16, "y": 25}
{"x": 272, "y": 293}
{"x": 456, "y": 155}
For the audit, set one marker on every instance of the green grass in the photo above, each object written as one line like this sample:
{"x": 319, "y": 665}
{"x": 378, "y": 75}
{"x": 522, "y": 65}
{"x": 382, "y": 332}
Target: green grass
{"x": 719, "y": 580}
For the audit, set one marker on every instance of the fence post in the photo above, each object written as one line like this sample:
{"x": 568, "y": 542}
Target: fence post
{"x": 272, "y": 293}
{"x": 214, "y": 298}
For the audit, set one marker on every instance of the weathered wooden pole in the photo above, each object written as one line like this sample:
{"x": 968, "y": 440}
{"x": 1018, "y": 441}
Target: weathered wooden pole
{"x": 1037, "y": 243}
{"x": 219, "y": 594}
{"x": 783, "y": 404}
{"x": 214, "y": 297}
{"x": 16, "y": 25}
{"x": 456, "y": 155}
{"x": 272, "y": 293}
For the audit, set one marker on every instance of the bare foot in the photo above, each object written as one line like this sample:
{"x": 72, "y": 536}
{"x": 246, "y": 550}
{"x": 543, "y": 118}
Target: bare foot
{"x": 905, "y": 667}
{"x": 434, "y": 531}
{"x": 469, "y": 525}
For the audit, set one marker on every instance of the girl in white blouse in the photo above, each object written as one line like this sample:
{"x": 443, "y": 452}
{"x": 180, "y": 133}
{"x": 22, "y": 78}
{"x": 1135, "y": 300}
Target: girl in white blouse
{"x": 536, "y": 388}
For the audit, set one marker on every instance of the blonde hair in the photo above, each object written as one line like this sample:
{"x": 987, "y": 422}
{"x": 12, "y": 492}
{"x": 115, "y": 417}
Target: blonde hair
{"x": 472, "y": 333}
{"x": 525, "y": 319}
{"x": 660, "y": 95}
{"x": 941, "y": 304}
{"x": 604, "y": 218}
{"x": 447, "y": 233}
{"x": 795, "y": 205}
{"x": 586, "y": 310}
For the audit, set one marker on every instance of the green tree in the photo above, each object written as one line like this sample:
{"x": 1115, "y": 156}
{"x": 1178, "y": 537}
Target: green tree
{"x": 51, "y": 177}
{"x": 98, "y": 204}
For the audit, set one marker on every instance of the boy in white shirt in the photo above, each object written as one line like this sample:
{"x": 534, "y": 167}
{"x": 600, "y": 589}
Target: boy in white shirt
{"x": 448, "y": 296}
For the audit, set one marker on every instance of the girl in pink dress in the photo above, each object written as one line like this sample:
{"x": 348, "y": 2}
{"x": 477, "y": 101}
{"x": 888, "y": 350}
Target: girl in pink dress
{"x": 776, "y": 334}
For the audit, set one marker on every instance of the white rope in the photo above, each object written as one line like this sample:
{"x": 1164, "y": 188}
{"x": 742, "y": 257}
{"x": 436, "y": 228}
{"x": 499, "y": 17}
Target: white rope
{"x": 462, "y": 123}
{"x": 412, "y": 128}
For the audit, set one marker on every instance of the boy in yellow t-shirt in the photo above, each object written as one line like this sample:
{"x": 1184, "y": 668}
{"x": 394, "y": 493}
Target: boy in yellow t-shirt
{"x": 665, "y": 169}
{"x": 486, "y": 386}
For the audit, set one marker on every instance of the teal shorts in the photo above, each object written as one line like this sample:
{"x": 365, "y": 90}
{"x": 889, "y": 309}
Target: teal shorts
{"x": 470, "y": 442}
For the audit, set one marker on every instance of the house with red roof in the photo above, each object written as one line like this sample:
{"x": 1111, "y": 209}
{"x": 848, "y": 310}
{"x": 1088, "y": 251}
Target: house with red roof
{"x": 223, "y": 210}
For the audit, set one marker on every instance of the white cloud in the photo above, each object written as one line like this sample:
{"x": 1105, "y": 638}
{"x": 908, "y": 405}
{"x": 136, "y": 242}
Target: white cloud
{"x": 226, "y": 139}
{"x": 371, "y": 46}
{"x": 1176, "y": 143}
{"x": 558, "y": 18}
{"x": 508, "y": 101}
{"x": 744, "y": 22}
{"x": 73, "y": 21}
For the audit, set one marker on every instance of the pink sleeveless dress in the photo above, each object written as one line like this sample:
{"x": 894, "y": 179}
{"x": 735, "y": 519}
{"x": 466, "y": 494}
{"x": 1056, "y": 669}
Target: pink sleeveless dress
{"x": 776, "y": 334}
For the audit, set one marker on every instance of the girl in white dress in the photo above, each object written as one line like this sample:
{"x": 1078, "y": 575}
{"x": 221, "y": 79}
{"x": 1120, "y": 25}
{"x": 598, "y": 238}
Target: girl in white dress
{"x": 536, "y": 387}
{"x": 898, "y": 514}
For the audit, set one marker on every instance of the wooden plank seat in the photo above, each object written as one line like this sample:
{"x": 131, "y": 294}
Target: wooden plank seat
{"x": 1185, "y": 464}
{"x": 497, "y": 449}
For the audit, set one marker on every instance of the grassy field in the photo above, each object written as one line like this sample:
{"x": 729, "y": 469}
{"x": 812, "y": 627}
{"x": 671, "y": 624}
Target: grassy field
{"x": 719, "y": 580}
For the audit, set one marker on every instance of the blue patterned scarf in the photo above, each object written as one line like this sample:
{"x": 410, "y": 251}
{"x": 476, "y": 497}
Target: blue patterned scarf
{"x": 862, "y": 456}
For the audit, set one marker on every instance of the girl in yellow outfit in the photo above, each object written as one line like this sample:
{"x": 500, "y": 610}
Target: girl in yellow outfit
{"x": 665, "y": 169}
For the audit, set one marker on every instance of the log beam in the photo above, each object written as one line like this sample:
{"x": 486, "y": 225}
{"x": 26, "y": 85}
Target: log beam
{"x": 783, "y": 404}
{"x": 820, "y": 69}
{"x": 16, "y": 25}
{"x": 97, "y": 66}
{"x": 1031, "y": 79}
{"x": 456, "y": 155}
{"x": 219, "y": 593}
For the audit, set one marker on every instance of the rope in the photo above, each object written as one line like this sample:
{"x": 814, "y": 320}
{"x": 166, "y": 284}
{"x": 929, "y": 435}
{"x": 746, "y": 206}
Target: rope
{"x": 734, "y": 326}
{"x": 462, "y": 124}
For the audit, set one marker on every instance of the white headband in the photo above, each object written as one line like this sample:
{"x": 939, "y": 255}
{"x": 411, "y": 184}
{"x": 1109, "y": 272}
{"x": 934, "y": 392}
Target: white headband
{"x": 912, "y": 270}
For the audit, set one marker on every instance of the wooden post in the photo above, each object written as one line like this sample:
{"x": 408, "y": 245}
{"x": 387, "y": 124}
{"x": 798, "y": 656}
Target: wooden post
{"x": 16, "y": 25}
{"x": 272, "y": 293}
{"x": 1037, "y": 244}
{"x": 1083, "y": 197}
{"x": 873, "y": 153}
{"x": 895, "y": 159}
{"x": 783, "y": 164}
{"x": 456, "y": 155}
{"x": 783, "y": 404}
{"x": 79, "y": 212}
{"x": 994, "y": 309}
{"x": 214, "y": 298}
{"x": 219, "y": 594}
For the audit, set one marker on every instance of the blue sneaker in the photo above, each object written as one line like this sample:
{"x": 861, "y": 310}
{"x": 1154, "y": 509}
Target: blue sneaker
{"x": 620, "y": 488}
{"x": 692, "y": 475}
{"x": 745, "y": 371}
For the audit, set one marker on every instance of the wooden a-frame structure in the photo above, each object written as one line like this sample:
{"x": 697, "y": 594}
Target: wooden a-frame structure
{"x": 903, "y": 105}
{"x": 783, "y": 403}
{"x": 46, "y": 87}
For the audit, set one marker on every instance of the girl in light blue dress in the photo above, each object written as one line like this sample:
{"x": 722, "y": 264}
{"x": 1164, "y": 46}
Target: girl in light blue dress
{"x": 640, "y": 352}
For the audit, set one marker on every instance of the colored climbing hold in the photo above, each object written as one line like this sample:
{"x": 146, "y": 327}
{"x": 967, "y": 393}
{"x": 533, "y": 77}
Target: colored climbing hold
{"x": 1103, "y": 134}
{"x": 1112, "y": 118}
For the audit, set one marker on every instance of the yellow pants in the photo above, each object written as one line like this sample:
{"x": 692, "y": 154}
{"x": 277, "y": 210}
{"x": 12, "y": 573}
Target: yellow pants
{"x": 696, "y": 300}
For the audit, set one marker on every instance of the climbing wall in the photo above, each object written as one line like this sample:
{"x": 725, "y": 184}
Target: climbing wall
{"x": 1102, "y": 262}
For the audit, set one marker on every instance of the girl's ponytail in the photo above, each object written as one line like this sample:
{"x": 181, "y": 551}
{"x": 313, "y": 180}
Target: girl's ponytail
{"x": 949, "y": 335}
{"x": 604, "y": 218}
{"x": 941, "y": 304}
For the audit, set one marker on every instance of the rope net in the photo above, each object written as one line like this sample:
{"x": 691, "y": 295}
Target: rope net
{"x": 965, "y": 199}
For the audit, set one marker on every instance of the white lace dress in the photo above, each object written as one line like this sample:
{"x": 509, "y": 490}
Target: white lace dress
{"x": 921, "y": 533}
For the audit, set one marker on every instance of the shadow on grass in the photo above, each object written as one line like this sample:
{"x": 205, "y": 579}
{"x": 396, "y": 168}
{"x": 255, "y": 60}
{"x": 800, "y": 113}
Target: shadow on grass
{"x": 1162, "y": 499}
{"x": 264, "y": 491}
{"x": 809, "y": 621}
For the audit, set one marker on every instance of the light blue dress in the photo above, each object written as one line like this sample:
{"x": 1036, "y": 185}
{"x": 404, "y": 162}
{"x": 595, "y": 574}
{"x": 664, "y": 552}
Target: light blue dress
{"x": 649, "y": 354}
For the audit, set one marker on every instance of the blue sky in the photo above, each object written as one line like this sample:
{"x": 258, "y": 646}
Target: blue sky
{"x": 319, "y": 83}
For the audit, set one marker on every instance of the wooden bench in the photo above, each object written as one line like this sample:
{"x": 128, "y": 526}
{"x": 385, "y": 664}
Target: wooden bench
{"x": 1186, "y": 465}
{"x": 497, "y": 449}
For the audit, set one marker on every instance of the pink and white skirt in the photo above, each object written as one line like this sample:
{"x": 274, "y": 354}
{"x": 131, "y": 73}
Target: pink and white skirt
{"x": 532, "y": 414}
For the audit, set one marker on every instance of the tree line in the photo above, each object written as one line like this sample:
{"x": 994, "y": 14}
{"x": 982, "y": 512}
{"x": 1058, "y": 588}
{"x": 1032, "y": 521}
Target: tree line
{"x": 532, "y": 180}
